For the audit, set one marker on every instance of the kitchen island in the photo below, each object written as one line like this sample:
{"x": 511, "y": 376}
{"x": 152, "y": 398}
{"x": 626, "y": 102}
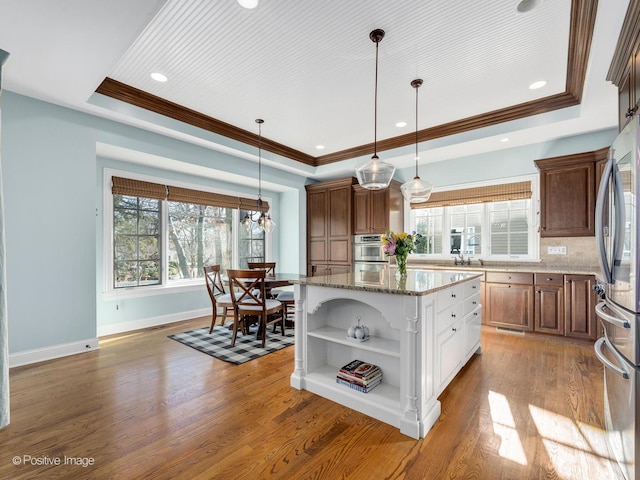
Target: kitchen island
{"x": 423, "y": 330}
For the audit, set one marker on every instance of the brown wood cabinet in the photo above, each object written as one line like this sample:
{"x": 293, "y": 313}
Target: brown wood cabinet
{"x": 329, "y": 226}
{"x": 549, "y": 303}
{"x": 509, "y": 300}
{"x": 580, "y": 300}
{"x": 625, "y": 65}
{"x": 376, "y": 211}
{"x": 567, "y": 195}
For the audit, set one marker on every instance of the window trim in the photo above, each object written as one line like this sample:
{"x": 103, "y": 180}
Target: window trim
{"x": 534, "y": 213}
{"x": 181, "y": 286}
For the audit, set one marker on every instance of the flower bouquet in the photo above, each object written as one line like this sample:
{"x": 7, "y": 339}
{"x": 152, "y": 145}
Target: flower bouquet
{"x": 399, "y": 245}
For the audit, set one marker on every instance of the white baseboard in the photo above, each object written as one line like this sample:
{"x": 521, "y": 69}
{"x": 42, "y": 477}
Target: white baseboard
{"x": 56, "y": 351}
{"x": 151, "y": 322}
{"x": 49, "y": 353}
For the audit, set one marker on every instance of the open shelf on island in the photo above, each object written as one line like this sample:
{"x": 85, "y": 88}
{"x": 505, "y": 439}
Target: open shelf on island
{"x": 373, "y": 344}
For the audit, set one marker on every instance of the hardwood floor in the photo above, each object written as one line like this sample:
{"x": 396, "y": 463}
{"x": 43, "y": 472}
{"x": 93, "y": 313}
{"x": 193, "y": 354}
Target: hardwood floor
{"x": 147, "y": 407}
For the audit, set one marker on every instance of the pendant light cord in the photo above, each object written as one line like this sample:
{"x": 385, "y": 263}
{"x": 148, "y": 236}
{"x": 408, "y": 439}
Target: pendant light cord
{"x": 416, "y": 132}
{"x": 375, "y": 108}
{"x": 259, "y": 121}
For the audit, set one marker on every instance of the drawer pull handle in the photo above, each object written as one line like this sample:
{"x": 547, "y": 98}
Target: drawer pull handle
{"x": 549, "y": 279}
{"x": 474, "y": 287}
{"x": 453, "y": 315}
{"x": 453, "y": 295}
{"x": 509, "y": 286}
{"x": 454, "y": 329}
{"x": 475, "y": 313}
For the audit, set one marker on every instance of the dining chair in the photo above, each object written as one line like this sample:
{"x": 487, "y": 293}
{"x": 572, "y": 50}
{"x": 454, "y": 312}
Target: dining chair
{"x": 270, "y": 269}
{"x": 243, "y": 285}
{"x": 219, "y": 298}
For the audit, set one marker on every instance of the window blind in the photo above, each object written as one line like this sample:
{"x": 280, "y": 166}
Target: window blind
{"x": 138, "y": 188}
{"x": 465, "y": 196}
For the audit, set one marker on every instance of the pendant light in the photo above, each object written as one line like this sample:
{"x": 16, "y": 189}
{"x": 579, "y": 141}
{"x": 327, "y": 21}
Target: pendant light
{"x": 264, "y": 220}
{"x": 374, "y": 174}
{"x": 416, "y": 190}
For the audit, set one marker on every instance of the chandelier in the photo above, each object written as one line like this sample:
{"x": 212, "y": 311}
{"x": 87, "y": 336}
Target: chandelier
{"x": 264, "y": 219}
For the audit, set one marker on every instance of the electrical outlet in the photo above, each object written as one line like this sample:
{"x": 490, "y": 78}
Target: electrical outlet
{"x": 560, "y": 250}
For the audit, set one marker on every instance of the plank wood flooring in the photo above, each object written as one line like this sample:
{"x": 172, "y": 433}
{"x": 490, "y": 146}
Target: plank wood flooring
{"x": 147, "y": 407}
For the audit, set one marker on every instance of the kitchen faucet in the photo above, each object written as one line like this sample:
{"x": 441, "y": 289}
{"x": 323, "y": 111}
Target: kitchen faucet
{"x": 460, "y": 260}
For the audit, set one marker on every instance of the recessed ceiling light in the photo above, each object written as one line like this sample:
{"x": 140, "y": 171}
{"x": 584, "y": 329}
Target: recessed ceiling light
{"x": 401, "y": 124}
{"x": 158, "y": 77}
{"x": 248, "y": 3}
{"x": 538, "y": 84}
{"x": 527, "y": 5}
{"x": 320, "y": 147}
{"x": 505, "y": 139}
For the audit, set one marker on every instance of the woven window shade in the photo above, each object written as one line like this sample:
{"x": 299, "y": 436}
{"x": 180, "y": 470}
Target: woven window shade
{"x": 465, "y": 196}
{"x": 186, "y": 195}
{"x": 137, "y": 188}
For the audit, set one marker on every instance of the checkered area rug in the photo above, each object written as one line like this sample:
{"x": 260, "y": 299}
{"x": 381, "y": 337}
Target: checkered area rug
{"x": 247, "y": 347}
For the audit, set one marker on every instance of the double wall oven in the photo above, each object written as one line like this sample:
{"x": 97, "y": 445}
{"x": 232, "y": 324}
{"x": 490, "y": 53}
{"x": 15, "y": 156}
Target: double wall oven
{"x": 369, "y": 257}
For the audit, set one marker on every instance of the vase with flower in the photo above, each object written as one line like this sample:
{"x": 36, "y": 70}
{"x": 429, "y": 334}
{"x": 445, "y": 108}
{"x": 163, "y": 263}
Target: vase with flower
{"x": 399, "y": 245}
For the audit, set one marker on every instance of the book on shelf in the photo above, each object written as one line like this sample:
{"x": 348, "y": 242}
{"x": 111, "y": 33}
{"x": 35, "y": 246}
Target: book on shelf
{"x": 361, "y": 381}
{"x": 359, "y": 388}
{"x": 360, "y": 369}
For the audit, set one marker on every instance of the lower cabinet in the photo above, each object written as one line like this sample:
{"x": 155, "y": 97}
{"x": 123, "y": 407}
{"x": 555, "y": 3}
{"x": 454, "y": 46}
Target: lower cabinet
{"x": 580, "y": 300}
{"x": 549, "y": 303}
{"x": 458, "y": 327}
{"x": 556, "y": 304}
{"x": 317, "y": 269}
{"x": 509, "y": 300}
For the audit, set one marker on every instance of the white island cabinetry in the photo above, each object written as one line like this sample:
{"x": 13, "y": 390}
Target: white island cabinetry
{"x": 404, "y": 321}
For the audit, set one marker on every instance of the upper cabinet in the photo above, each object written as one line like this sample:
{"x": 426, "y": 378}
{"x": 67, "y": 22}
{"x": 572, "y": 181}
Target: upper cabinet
{"x": 568, "y": 187}
{"x": 329, "y": 223}
{"x": 376, "y": 211}
{"x": 624, "y": 71}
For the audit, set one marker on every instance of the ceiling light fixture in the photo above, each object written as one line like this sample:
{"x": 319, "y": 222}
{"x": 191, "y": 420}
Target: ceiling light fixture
{"x": 374, "y": 174}
{"x": 249, "y": 4}
{"x": 416, "y": 190}
{"x": 525, "y": 6}
{"x": 264, "y": 220}
{"x": 537, "y": 85}
{"x": 401, "y": 124}
{"x": 320, "y": 147}
{"x": 159, "y": 77}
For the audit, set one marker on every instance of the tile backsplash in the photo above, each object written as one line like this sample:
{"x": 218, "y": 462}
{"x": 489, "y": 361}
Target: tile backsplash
{"x": 581, "y": 251}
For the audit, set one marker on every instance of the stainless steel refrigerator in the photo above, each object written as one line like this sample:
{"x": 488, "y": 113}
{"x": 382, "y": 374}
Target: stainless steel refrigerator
{"x": 619, "y": 311}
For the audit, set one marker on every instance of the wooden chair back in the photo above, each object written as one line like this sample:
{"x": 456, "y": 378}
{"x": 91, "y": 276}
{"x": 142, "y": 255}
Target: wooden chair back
{"x": 268, "y": 267}
{"x": 247, "y": 286}
{"x": 213, "y": 280}
{"x": 217, "y": 294}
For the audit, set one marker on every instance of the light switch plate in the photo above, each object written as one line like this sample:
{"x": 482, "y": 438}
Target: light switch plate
{"x": 560, "y": 250}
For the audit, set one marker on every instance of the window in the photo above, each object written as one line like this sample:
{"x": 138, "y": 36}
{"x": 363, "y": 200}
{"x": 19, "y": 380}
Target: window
{"x": 164, "y": 235}
{"x": 199, "y": 235}
{"x": 493, "y": 222}
{"x": 136, "y": 235}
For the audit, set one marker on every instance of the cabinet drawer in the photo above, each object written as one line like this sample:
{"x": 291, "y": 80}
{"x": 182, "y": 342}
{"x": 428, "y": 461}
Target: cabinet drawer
{"x": 510, "y": 277}
{"x": 471, "y": 288}
{"x": 449, "y": 316}
{"x": 471, "y": 303}
{"x": 549, "y": 279}
{"x": 448, "y": 297}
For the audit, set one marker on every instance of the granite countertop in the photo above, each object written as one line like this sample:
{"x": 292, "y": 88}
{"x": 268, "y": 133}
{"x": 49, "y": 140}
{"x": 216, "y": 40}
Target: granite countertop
{"x": 417, "y": 282}
{"x": 520, "y": 267}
